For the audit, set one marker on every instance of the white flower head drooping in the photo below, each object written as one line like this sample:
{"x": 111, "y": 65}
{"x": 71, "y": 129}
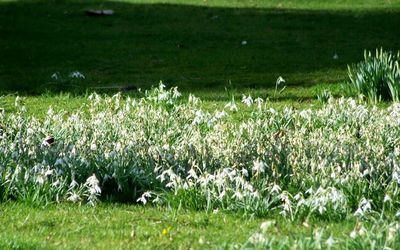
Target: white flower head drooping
{"x": 77, "y": 75}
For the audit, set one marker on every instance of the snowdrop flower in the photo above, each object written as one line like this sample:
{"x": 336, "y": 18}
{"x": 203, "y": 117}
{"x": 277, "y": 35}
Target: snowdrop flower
{"x": 74, "y": 197}
{"x": 244, "y": 42}
{"x": 248, "y": 101}
{"x": 56, "y": 183}
{"x": 335, "y": 56}
{"x": 364, "y": 207}
{"x": 193, "y": 100}
{"x": 280, "y": 80}
{"x": 199, "y": 117}
{"x": 259, "y": 102}
{"x": 176, "y": 93}
{"x": 156, "y": 200}
{"x": 238, "y": 195}
{"x": 77, "y": 74}
{"x": 93, "y": 183}
{"x": 59, "y": 162}
{"x": 330, "y": 241}
{"x": 258, "y": 167}
{"x": 266, "y": 225}
{"x": 318, "y": 235}
{"x": 231, "y": 106}
{"x": 73, "y": 184}
{"x": 39, "y": 179}
{"x": 55, "y": 76}
{"x": 144, "y": 197}
{"x": 220, "y": 114}
{"x": 275, "y": 189}
{"x": 49, "y": 172}
{"x": 163, "y": 96}
{"x": 93, "y": 147}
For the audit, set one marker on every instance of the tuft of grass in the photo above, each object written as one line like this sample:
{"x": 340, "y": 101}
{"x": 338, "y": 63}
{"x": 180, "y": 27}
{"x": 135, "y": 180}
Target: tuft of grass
{"x": 377, "y": 77}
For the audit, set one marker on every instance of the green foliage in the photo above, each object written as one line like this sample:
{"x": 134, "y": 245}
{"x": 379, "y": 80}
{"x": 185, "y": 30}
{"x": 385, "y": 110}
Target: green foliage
{"x": 377, "y": 77}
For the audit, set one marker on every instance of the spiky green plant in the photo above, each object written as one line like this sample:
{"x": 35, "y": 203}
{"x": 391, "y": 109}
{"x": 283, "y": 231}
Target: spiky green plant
{"x": 377, "y": 77}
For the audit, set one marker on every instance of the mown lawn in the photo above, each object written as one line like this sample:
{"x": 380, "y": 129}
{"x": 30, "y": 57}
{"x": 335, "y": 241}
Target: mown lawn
{"x": 115, "y": 226}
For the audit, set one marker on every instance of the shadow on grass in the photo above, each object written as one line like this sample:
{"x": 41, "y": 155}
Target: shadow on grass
{"x": 193, "y": 47}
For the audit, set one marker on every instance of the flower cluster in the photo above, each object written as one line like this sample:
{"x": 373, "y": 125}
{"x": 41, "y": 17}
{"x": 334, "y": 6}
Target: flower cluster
{"x": 341, "y": 159}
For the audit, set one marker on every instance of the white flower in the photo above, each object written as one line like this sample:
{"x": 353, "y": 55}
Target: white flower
{"x": 163, "y": 96}
{"x": 55, "y": 76}
{"x": 73, "y": 184}
{"x": 275, "y": 189}
{"x": 93, "y": 183}
{"x": 257, "y": 239}
{"x": 199, "y": 117}
{"x": 238, "y": 195}
{"x": 220, "y": 114}
{"x": 77, "y": 74}
{"x": 258, "y": 167}
{"x": 49, "y": 172}
{"x": 231, "y": 106}
{"x": 93, "y": 147}
{"x": 330, "y": 241}
{"x": 318, "y": 235}
{"x": 244, "y": 42}
{"x": 259, "y": 102}
{"x": 279, "y": 80}
{"x": 74, "y": 197}
{"x": 266, "y": 225}
{"x": 56, "y": 183}
{"x": 39, "y": 179}
{"x": 59, "y": 162}
{"x": 248, "y": 101}
{"x": 144, "y": 197}
{"x": 272, "y": 111}
{"x": 245, "y": 172}
{"x": 176, "y": 93}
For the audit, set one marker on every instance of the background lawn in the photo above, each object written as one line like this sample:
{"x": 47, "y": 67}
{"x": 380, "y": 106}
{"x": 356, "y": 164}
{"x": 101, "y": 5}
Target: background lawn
{"x": 196, "y": 45}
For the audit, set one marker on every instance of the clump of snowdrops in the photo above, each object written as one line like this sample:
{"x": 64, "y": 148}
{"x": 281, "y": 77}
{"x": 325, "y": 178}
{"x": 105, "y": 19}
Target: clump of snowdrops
{"x": 381, "y": 234}
{"x": 340, "y": 160}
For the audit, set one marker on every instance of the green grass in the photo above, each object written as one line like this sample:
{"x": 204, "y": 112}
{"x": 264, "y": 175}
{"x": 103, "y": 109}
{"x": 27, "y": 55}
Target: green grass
{"x": 299, "y": 97}
{"x": 114, "y": 226}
